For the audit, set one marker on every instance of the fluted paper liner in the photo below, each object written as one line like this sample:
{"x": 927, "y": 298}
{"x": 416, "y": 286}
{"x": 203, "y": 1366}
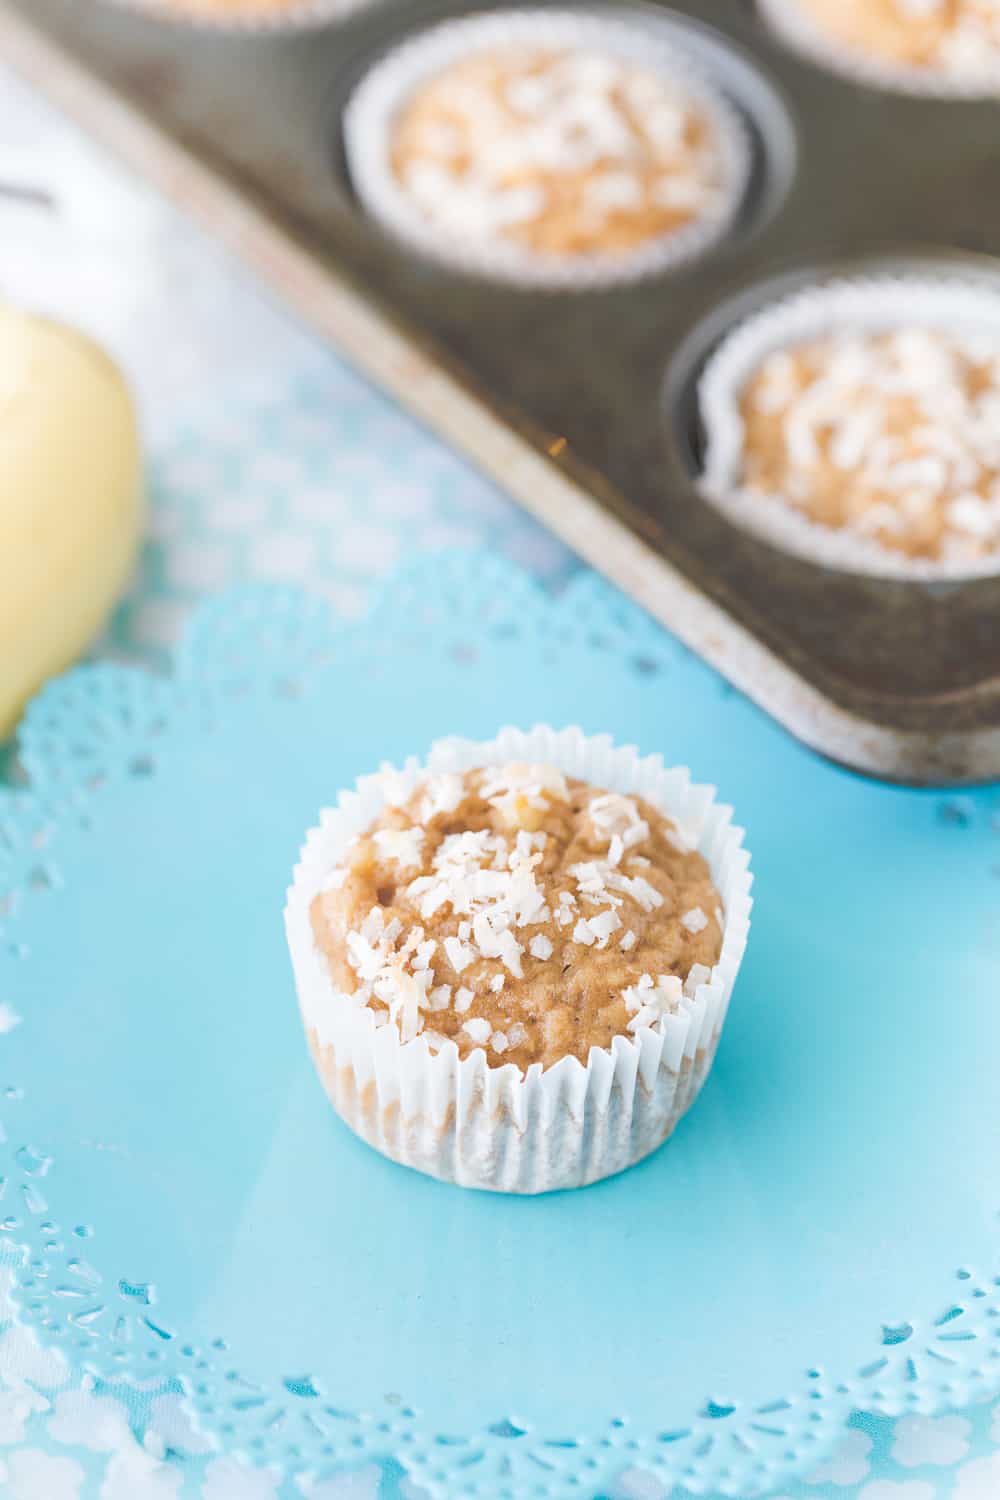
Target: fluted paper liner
{"x": 502, "y": 1128}
{"x": 372, "y": 109}
{"x": 304, "y": 15}
{"x": 800, "y": 29}
{"x": 876, "y": 303}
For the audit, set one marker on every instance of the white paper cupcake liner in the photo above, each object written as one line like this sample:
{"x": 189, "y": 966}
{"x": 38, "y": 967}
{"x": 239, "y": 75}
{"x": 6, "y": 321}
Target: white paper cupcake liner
{"x": 372, "y": 109}
{"x": 305, "y": 15}
{"x": 501, "y": 1128}
{"x": 790, "y": 20}
{"x": 876, "y": 303}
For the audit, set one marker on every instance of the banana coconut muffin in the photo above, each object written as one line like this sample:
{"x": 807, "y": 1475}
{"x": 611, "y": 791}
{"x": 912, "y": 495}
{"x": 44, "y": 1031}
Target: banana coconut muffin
{"x": 541, "y": 961}
{"x": 858, "y": 423}
{"x": 546, "y": 147}
{"x": 918, "y": 46}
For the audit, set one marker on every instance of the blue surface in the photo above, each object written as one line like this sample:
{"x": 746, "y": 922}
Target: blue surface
{"x": 813, "y": 1214}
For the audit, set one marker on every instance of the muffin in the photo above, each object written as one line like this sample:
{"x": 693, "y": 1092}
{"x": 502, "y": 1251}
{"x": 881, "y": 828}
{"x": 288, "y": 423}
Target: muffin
{"x": 547, "y": 148}
{"x": 941, "y": 46}
{"x": 513, "y": 967}
{"x": 859, "y": 424}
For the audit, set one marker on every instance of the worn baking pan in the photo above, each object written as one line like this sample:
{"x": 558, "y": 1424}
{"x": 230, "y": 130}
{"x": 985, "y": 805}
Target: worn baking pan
{"x": 582, "y": 404}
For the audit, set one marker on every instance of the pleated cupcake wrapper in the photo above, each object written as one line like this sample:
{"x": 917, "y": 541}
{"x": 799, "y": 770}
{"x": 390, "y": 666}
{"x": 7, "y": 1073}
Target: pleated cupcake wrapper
{"x": 306, "y": 15}
{"x": 877, "y": 303}
{"x": 372, "y": 110}
{"x": 501, "y": 1128}
{"x": 794, "y": 24}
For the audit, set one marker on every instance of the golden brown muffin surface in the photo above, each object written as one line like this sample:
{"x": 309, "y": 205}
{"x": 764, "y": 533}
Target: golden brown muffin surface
{"x": 520, "y": 911}
{"x": 894, "y": 436}
{"x": 566, "y": 153}
{"x": 958, "y": 38}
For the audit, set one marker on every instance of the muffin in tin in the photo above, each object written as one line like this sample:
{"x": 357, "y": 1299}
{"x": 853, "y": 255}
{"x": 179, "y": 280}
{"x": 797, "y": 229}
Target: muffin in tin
{"x": 548, "y": 148}
{"x": 858, "y": 424}
{"x": 919, "y": 46}
{"x": 514, "y": 966}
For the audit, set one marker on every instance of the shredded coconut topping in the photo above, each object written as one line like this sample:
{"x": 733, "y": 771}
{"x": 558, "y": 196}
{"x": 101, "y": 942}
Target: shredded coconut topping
{"x": 442, "y": 794}
{"x": 954, "y": 39}
{"x": 568, "y": 152}
{"x": 400, "y": 844}
{"x": 650, "y": 1002}
{"x": 519, "y": 911}
{"x": 894, "y": 436}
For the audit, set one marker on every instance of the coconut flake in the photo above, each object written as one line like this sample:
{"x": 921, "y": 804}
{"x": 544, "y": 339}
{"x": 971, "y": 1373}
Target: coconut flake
{"x": 442, "y": 794}
{"x": 373, "y": 926}
{"x": 648, "y": 1002}
{"x": 603, "y": 925}
{"x": 402, "y": 846}
{"x": 364, "y": 959}
{"x": 540, "y": 947}
{"x": 424, "y": 953}
{"x": 460, "y": 955}
{"x": 584, "y": 933}
{"x": 698, "y": 975}
{"x": 511, "y": 787}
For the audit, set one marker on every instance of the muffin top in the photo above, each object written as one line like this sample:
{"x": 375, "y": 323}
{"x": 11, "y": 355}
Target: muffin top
{"x": 894, "y": 436}
{"x": 958, "y": 39}
{"x": 562, "y": 152}
{"x": 519, "y": 911}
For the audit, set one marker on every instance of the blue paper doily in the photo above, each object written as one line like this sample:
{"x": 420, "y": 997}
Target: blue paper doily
{"x": 822, "y": 1233}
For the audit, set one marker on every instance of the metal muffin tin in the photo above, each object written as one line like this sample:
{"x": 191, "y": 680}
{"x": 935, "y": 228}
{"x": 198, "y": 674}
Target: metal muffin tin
{"x": 583, "y": 404}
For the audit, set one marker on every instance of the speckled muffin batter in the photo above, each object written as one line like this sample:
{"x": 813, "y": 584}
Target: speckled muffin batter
{"x": 893, "y": 436}
{"x": 566, "y": 153}
{"x": 955, "y": 39}
{"x": 519, "y": 911}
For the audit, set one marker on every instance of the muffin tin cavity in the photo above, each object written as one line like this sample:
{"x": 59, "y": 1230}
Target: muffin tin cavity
{"x": 854, "y": 423}
{"x": 748, "y": 139}
{"x": 955, "y": 300}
